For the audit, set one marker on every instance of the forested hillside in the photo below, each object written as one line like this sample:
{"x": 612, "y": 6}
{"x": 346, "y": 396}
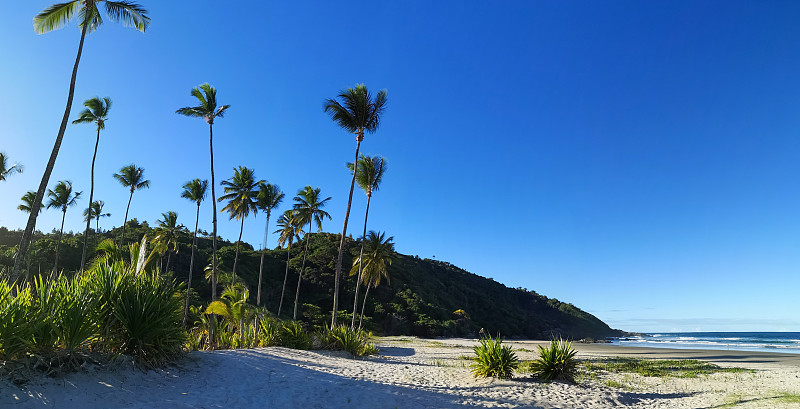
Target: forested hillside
{"x": 422, "y": 297}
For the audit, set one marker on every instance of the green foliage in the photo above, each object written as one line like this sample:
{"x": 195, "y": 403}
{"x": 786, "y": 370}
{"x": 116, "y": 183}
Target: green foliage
{"x": 293, "y": 335}
{"x": 15, "y": 311}
{"x": 660, "y": 368}
{"x": 343, "y": 338}
{"x": 492, "y": 358}
{"x": 148, "y": 312}
{"x": 556, "y": 362}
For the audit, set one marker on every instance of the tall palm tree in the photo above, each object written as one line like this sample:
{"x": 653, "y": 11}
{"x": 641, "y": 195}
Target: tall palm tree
{"x": 96, "y": 112}
{"x": 95, "y": 212}
{"x": 53, "y": 18}
{"x": 308, "y": 209}
{"x": 375, "y": 260}
{"x": 269, "y": 197}
{"x": 167, "y": 234}
{"x": 62, "y": 197}
{"x": 209, "y": 111}
{"x": 27, "y": 202}
{"x": 290, "y": 230}
{"x": 370, "y": 175}
{"x": 6, "y": 170}
{"x": 357, "y": 113}
{"x": 133, "y": 178}
{"x": 196, "y": 192}
{"x": 241, "y": 193}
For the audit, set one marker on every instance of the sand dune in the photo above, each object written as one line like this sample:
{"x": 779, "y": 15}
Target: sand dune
{"x": 409, "y": 373}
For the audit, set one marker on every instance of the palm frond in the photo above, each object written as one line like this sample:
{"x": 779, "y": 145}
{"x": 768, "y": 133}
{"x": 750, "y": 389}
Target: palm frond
{"x": 55, "y": 16}
{"x": 128, "y": 14}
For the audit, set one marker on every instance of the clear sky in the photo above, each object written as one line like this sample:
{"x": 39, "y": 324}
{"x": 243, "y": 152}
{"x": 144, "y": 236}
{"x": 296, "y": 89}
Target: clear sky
{"x": 638, "y": 159}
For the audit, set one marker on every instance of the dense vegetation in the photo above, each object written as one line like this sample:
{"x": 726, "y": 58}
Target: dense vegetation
{"x": 422, "y": 297}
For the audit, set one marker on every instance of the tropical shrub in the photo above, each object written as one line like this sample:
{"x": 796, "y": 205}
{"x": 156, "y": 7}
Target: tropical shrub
{"x": 64, "y": 314}
{"x": 556, "y": 362}
{"x": 492, "y": 358}
{"x": 148, "y": 311}
{"x": 343, "y": 338}
{"x": 16, "y": 334}
{"x": 269, "y": 334}
{"x": 293, "y": 335}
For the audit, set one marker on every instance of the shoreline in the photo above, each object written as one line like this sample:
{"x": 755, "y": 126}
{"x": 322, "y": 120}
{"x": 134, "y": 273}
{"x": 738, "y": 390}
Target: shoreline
{"x": 408, "y": 373}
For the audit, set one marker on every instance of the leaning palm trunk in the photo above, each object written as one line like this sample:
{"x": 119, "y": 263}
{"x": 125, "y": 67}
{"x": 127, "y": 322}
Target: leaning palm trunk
{"x": 359, "y": 138}
{"x": 302, "y": 270}
{"x": 191, "y": 267}
{"x": 363, "y": 306}
{"x": 91, "y": 197}
{"x": 37, "y": 204}
{"x": 285, "y": 276}
{"x": 261, "y": 266}
{"x": 127, "y": 209}
{"x": 360, "y": 263}
{"x": 236, "y": 258}
{"x": 58, "y": 243}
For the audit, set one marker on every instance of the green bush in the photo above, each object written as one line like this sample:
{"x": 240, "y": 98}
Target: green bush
{"x": 148, "y": 311}
{"x": 342, "y": 338}
{"x": 293, "y": 335}
{"x": 16, "y": 331}
{"x": 269, "y": 333}
{"x": 492, "y": 358}
{"x": 64, "y": 308}
{"x": 556, "y": 362}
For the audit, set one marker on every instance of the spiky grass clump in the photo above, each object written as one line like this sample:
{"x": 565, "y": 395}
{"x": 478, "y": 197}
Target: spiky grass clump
{"x": 492, "y": 358}
{"x": 556, "y": 362}
{"x": 148, "y": 311}
{"x": 343, "y": 338}
{"x": 294, "y": 336}
{"x": 16, "y": 333}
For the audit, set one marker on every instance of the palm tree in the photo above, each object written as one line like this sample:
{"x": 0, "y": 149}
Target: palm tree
{"x": 308, "y": 209}
{"x": 53, "y": 18}
{"x": 268, "y": 198}
{"x": 370, "y": 175}
{"x": 196, "y": 192}
{"x": 96, "y": 112}
{"x": 95, "y": 212}
{"x": 209, "y": 111}
{"x": 290, "y": 230}
{"x": 167, "y": 234}
{"x": 6, "y": 170}
{"x": 133, "y": 178}
{"x": 375, "y": 260}
{"x": 240, "y": 192}
{"x": 357, "y": 113}
{"x": 27, "y": 202}
{"x": 62, "y": 197}
{"x": 233, "y": 307}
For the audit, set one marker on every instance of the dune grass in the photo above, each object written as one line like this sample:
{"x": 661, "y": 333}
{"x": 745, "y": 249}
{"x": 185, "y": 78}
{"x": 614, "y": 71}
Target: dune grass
{"x": 661, "y": 368}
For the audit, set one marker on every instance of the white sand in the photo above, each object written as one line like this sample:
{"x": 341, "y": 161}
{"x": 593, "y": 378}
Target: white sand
{"x": 409, "y": 373}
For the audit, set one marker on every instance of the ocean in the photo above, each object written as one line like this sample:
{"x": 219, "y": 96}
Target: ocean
{"x": 786, "y": 342}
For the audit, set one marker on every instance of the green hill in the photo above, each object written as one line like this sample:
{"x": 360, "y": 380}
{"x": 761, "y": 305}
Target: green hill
{"x": 423, "y": 297}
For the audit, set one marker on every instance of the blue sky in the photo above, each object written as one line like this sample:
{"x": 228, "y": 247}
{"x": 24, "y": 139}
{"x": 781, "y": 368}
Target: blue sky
{"x": 638, "y": 159}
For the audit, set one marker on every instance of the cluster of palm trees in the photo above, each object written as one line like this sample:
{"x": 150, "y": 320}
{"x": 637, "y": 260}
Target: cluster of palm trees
{"x": 355, "y": 109}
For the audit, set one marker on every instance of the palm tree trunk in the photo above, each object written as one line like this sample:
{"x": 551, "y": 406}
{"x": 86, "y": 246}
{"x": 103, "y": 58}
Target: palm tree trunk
{"x": 127, "y": 209}
{"x": 360, "y": 262}
{"x": 302, "y": 269}
{"x": 359, "y": 138}
{"x": 58, "y": 243}
{"x": 236, "y": 258}
{"x": 214, "y": 231}
{"x": 261, "y": 266}
{"x": 37, "y": 203}
{"x": 91, "y": 197}
{"x": 169, "y": 257}
{"x": 285, "y": 276}
{"x": 191, "y": 266}
{"x": 363, "y": 306}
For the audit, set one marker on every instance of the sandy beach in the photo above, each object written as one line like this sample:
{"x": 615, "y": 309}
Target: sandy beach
{"x": 408, "y": 373}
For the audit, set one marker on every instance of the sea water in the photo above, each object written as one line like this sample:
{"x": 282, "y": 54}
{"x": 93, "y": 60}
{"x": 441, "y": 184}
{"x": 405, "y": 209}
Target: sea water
{"x": 786, "y": 342}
